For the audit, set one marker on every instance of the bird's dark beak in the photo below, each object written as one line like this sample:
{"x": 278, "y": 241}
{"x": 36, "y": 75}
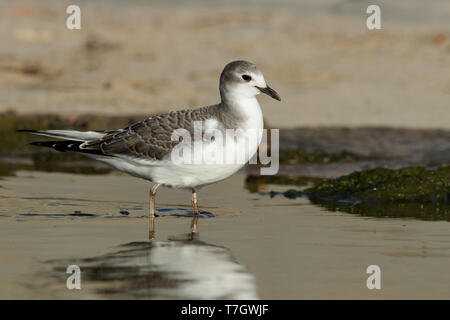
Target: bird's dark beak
{"x": 270, "y": 92}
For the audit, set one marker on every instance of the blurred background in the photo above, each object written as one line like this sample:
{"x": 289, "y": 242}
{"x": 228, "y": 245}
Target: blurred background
{"x": 144, "y": 57}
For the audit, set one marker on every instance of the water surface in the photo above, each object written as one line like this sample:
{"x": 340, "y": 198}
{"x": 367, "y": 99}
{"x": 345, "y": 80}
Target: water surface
{"x": 249, "y": 246}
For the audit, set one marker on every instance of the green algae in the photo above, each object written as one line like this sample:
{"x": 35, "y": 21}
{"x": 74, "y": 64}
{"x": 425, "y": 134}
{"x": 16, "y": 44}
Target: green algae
{"x": 10, "y": 140}
{"x": 421, "y": 211}
{"x": 6, "y": 171}
{"x": 414, "y": 192}
{"x": 413, "y": 184}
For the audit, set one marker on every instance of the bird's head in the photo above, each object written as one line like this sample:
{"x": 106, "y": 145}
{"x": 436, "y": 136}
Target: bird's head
{"x": 242, "y": 80}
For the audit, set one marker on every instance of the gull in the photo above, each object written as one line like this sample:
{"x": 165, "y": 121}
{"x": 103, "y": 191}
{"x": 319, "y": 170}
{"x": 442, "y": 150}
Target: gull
{"x": 146, "y": 148}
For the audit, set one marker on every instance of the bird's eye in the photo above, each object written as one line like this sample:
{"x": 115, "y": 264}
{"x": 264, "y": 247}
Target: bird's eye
{"x": 246, "y": 77}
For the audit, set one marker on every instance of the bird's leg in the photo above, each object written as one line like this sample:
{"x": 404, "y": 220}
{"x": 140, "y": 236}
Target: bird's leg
{"x": 194, "y": 227}
{"x": 151, "y": 227}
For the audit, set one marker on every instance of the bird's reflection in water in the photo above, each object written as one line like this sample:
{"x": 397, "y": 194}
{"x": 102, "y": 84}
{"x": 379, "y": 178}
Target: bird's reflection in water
{"x": 170, "y": 269}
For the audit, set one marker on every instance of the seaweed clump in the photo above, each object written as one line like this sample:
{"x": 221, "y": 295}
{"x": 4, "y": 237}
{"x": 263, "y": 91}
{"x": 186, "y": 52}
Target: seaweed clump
{"x": 422, "y": 211}
{"x": 414, "y": 184}
{"x": 410, "y": 192}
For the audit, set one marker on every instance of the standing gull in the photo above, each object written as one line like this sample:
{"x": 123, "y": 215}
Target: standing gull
{"x": 145, "y": 149}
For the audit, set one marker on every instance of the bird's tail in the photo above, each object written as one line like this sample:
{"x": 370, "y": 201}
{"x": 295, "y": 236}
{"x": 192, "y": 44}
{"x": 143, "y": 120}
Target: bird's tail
{"x": 71, "y": 140}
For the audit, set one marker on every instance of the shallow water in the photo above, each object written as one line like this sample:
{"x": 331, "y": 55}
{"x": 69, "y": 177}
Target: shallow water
{"x": 165, "y": 270}
{"x": 249, "y": 246}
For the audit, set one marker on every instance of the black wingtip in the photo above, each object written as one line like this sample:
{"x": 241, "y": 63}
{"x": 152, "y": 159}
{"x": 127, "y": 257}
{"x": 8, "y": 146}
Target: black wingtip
{"x": 25, "y": 130}
{"x": 62, "y": 146}
{"x": 36, "y": 143}
{"x": 65, "y": 145}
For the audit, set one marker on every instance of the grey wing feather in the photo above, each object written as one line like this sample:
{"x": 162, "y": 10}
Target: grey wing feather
{"x": 149, "y": 138}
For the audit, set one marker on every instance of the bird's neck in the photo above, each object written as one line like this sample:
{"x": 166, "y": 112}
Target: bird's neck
{"x": 245, "y": 109}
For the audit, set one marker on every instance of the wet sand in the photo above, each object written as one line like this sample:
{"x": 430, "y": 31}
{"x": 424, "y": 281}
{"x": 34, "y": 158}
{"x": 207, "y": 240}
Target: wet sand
{"x": 253, "y": 247}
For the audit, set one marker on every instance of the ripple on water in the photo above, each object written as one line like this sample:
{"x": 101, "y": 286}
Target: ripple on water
{"x": 162, "y": 212}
